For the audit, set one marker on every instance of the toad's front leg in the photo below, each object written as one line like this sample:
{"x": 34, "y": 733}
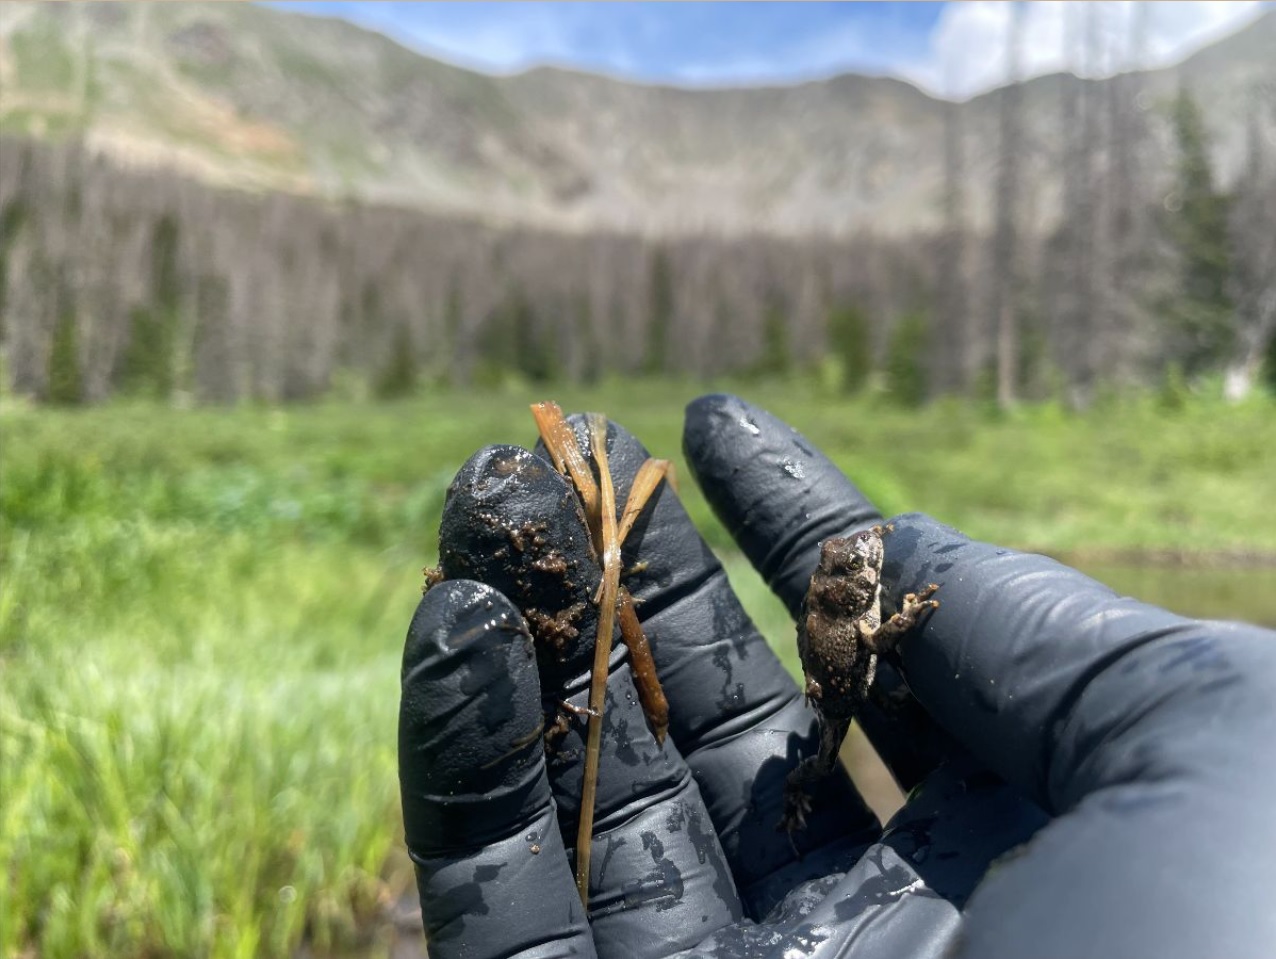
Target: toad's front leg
{"x": 914, "y": 607}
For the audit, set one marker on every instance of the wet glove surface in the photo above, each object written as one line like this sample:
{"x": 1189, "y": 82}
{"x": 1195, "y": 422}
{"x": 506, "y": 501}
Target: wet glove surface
{"x": 1122, "y": 753}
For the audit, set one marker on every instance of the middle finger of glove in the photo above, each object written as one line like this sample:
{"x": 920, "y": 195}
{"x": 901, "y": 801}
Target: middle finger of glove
{"x": 658, "y": 879}
{"x": 735, "y": 712}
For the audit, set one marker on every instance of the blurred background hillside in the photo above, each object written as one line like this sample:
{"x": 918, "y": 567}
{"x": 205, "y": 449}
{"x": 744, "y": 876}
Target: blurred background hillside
{"x": 269, "y": 273}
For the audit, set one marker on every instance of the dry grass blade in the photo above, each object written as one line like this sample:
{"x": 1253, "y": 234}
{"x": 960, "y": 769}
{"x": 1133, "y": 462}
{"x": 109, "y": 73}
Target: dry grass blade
{"x": 649, "y": 476}
{"x": 602, "y": 650}
{"x": 608, "y": 532}
{"x": 560, "y": 441}
{"x": 650, "y": 693}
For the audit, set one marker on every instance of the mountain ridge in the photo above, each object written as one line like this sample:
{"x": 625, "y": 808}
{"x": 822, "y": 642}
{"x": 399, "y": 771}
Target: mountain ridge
{"x": 255, "y": 97}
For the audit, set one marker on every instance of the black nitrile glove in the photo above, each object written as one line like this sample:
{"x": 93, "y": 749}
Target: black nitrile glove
{"x": 1125, "y": 755}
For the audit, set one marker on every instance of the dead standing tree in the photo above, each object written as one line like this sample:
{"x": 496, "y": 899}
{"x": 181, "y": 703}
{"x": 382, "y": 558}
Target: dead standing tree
{"x": 1005, "y": 283}
{"x": 1071, "y": 281}
{"x": 949, "y": 364}
{"x": 1092, "y": 310}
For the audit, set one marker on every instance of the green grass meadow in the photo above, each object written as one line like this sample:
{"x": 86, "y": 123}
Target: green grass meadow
{"x": 202, "y": 613}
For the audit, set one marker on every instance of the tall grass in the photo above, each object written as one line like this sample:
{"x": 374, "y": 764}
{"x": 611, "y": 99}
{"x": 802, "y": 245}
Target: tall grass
{"x": 202, "y": 613}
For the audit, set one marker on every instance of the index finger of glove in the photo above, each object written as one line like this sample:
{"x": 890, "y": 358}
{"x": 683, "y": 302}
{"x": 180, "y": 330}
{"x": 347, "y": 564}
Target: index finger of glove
{"x": 477, "y": 809}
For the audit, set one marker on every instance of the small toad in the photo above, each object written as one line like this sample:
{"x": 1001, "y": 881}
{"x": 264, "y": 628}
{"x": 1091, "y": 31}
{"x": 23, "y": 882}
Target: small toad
{"x": 840, "y": 636}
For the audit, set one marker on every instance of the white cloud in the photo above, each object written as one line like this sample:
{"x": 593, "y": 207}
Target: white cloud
{"x": 968, "y": 45}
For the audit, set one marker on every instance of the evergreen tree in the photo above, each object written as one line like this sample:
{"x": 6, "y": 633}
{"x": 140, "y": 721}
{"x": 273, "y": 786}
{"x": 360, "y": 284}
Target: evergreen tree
{"x": 148, "y": 366}
{"x": 1201, "y": 311}
{"x": 1269, "y": 366}
{"x": 150, "y": 362}
{"x": 849, "y": 340}
{"x": 776, "y": 357}
{"x": 516, "y": 342}
{"x": 12, "y": 219}
{"x": 906, "y": 359}
{"x": 450, "y": 351}
{"x": 536, "y": 353}
{"x": 66, "y": 385}
{"x": 661, "y": 319}
{"x": 399, "y": 374}
{"x": 586, "y": 341}
{"x": 497, "y": 345}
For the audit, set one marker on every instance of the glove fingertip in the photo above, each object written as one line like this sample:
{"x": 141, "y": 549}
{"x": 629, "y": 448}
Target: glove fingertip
{"x": 774, "y": 491}
{"x": 444, "y": 607}
{"x": 470, "y": 760}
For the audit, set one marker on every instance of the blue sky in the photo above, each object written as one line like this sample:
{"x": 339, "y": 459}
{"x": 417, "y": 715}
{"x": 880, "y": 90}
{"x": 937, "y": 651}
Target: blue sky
{"x": 954, "y": 48}
{"x": 674, "y": 42}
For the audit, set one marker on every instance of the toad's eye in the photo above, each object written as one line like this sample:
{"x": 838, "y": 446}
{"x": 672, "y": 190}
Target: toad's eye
{"x": 864, "y": 549}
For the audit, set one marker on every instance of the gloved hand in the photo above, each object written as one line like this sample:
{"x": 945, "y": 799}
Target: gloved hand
{"x": 1090, "y": 776}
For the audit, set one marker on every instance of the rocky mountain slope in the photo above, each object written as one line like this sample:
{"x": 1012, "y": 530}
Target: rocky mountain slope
{"x": 255, "y": 97}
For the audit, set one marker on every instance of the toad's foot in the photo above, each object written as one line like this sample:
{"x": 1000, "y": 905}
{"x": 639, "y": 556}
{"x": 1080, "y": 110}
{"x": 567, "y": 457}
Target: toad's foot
{"x": 914, "y": 607}
{"x": 797, "y": 788}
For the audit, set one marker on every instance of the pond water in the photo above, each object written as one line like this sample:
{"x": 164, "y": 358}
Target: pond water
{"x": 1209, "y": 593}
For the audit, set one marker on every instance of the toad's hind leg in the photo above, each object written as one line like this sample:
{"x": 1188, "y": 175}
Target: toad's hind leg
{"x": 915, "y": 606}
{"x": 797, "y": 798}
